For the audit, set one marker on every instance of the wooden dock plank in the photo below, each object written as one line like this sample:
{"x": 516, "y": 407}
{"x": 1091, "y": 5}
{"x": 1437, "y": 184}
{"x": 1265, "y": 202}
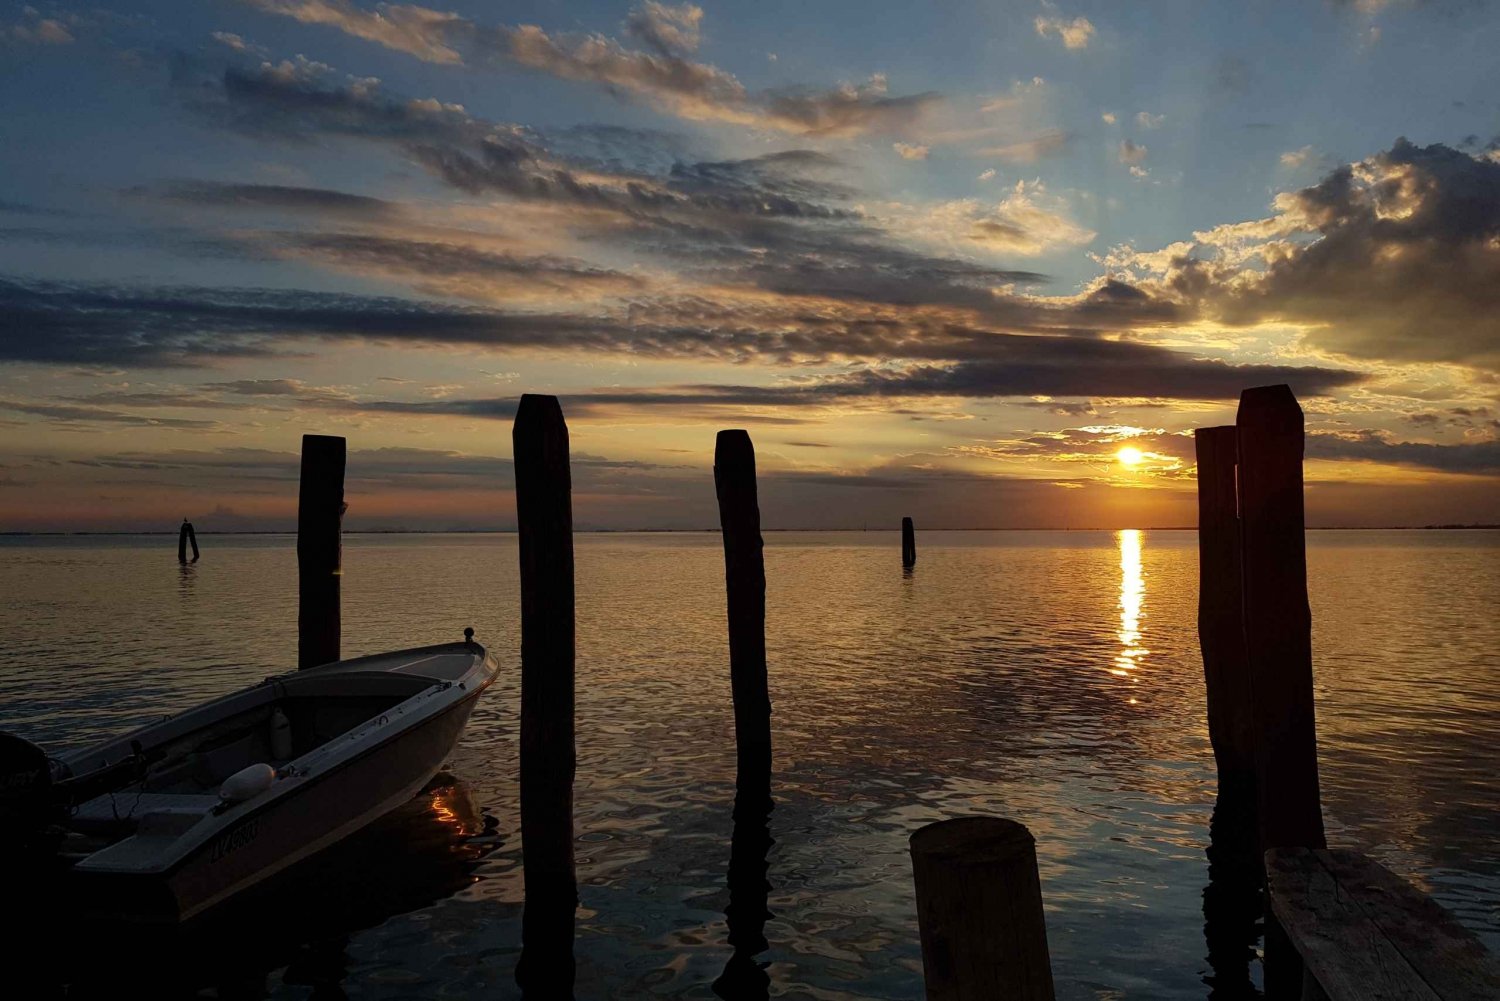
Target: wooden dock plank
{"x": 1449, "y": 957}
{"x": 1347, "y": 952}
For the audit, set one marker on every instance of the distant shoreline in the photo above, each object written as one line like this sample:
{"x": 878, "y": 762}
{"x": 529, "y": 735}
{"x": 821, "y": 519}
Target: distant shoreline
{"x": 767, "y": 531}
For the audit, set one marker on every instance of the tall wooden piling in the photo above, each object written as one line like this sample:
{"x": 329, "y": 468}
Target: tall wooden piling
{"x": 320, "y": 549}
{"x": 1221, "y": 632}
{"x": 745, "y": 586}
{"x": 185, "y": 537}
{"x": 979, "y": 910}
{"x": 544, "y": 525}
{"x": 1277, "y": 620}
{"x": 908, "y": 543}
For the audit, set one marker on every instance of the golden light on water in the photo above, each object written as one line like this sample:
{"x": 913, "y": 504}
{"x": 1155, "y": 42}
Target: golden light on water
{"x": 1130, "y": 457}
{"x": 1132, "y": 597}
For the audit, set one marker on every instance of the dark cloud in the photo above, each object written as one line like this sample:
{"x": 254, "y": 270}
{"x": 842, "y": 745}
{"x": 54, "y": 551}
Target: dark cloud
{"x": 182, "y": 327}
{"x": 1397, "y": 260}
{"x": 663, "y": 75}
{"x": 1481, "y": 457}
{"x": 70, "y": 414}
{"x": 321, "y": 201}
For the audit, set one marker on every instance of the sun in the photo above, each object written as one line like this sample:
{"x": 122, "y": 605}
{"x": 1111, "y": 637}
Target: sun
{"x": 1129, "y": 457}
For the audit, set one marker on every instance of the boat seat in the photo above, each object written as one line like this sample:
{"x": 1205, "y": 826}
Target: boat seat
{"x": 113, "y": 808}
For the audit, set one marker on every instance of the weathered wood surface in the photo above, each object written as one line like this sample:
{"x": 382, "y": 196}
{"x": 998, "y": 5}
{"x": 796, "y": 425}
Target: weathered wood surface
{"x": 979, "y": 911}
{"x": 1277, "y": 620}
{"x": 544, "y": 526}
{"x": 1221, "y": 631}
{"x": 1364, "y": 933}
{"x": 908, "y": 543}
{"x": 320, "y": 549}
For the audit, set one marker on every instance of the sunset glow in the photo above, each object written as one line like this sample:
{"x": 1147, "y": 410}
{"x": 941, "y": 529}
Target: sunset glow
{"x": 946, "y": 268}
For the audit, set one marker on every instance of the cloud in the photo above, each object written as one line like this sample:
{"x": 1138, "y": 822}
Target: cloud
{"x": 661, "y": 75}
{"x": 1048, "y": 143}
{"x": 1368, "y": 445}
{"x": 987, "y": 175}
{"x": 1029, "y": 221}
{"x": 671, "y": 29}
{"x": 34, "y": 29}
{"x": 1393, "y": 258}
{"x": 186, "y": 327}
{"x": 1075, "y": 33}
{"x": 69, "y": 414}
{"x": 1108, "y": 117}
{"x": 1146, "y": 120}
{"x": 1299, "y": 157}
{"x": 910, "y": 152}
{"x": 321, "y": 201}
{"x": 414, "y": 30}
{"x": 1131, "y": 153}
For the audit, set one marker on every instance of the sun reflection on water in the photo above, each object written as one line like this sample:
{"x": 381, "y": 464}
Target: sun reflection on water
{"x": 1132, "y": 597}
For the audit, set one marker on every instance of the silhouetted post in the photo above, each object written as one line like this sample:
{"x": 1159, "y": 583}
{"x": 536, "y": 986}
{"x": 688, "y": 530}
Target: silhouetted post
{"x": 908, "y": 543}
{"x": 320, "y": 549}
{"x": 745, "y": 585}
{"x": 544, "y": 524}
{"x": 1221, "y": 628}
{"x": 1277, "y": 621}
{"x": 186, "y": 537}
{"x": 979, "y": 909}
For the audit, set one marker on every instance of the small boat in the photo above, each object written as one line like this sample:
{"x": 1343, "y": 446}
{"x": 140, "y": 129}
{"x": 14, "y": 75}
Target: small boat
{"x": 179, "y": 815}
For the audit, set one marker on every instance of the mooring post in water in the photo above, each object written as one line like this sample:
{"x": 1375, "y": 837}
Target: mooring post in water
{"x": 908, "y": 543}
{"x": 979, "y": 910}
{"x": 186, "y": 537}
{"x": 1221, "y": 629}
{"x": 1277, "y": 621}
{"x": 745, "y": 586}
{"x": 544, "y": 525}
{"x": 320, "y": 548}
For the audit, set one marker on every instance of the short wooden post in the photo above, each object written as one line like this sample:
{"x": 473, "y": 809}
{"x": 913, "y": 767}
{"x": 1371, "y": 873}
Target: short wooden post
{"x": 745, "y": 586}
{"x": 1277, "y": 621}
{"x": 320, "y": 549}
{"x": 979, "y": 909}
{"x": 908, "y": 543}
{"x": 544, "y": 525}
{"x": 186, "y": 537}
{"x": 1221, "y": 630}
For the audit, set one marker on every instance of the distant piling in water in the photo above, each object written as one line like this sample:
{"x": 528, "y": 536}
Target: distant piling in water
{"x": 979, "y": 911}
{"x": 320, "y": 549}
{"x": 908, "y": 543}
{"x": 745, "y": 589}
{"x": 544, "y": 526}
{"x": 185, "y": 538}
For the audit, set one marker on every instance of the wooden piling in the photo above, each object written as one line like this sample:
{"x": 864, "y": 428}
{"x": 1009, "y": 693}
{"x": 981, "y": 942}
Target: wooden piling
{"x": 186, "y": 537}
{"x": 544, "y": 525}
{"x": 320, "y": 549}
{"x": 1277, "y": 621}
{"x": 745, "y": 586}
{"x": 908, "y": 543}
{"x": 1221, "y": 631}
{"x": 979, "y": 910}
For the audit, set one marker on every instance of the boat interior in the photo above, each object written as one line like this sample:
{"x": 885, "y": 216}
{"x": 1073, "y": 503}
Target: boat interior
{"x": 188, "y": 758}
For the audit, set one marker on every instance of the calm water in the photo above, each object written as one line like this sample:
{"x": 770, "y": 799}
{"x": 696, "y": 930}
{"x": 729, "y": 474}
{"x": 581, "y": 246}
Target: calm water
{"x": 1049, "y": 677}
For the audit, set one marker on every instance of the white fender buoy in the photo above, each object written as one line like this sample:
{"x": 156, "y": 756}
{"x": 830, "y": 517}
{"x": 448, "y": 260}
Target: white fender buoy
{"x": 281, "y": 735}
{"x": 247, "y": 783}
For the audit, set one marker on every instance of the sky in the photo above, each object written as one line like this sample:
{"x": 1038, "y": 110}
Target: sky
{"x": 986, "y": 265}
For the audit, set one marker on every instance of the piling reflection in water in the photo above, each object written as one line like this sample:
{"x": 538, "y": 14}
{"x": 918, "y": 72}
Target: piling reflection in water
{"x": 744, "y": 978}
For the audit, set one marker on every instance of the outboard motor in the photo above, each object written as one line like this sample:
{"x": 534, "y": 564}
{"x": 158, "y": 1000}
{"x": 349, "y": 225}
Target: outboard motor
{"x": 28, "y": 802}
